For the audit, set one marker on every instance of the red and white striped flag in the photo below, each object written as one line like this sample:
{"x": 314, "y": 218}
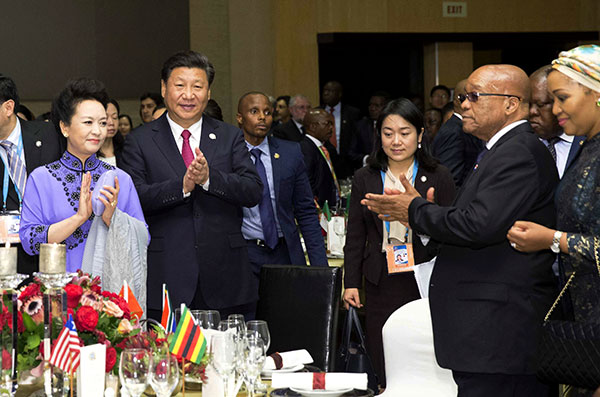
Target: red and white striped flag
{"x": 67, "y": 348}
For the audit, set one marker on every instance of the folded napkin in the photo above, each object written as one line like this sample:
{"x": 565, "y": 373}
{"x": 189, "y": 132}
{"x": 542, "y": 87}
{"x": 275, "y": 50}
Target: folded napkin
{"x": 287, "y": 359}
{"x": 319, "y": 381}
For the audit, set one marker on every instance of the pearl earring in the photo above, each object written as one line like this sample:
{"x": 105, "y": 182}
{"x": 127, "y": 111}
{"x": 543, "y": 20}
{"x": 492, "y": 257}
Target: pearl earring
{"x": 419, "y": 145}
{"x": 598, "y": 102}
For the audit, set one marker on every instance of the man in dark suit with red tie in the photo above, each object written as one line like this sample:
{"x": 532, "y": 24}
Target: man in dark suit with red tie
{"x": 488, "y": 300}
{"x": 193, "y": 175}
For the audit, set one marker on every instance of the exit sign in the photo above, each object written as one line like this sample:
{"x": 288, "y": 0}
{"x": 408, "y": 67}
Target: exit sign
{"x": 454, "y": 9}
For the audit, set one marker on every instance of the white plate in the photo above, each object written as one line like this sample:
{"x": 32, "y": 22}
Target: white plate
{"x": 321, "y": 393}
{"x": 268, "y": 373}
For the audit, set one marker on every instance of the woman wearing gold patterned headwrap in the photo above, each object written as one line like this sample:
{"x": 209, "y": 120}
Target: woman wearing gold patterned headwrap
{"x": 575, "y": 85}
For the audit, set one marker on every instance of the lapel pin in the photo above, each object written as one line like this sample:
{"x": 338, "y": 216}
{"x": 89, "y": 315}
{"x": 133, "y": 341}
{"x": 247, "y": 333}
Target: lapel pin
{"x": 423, "y": 178}
{"x": 580, "y": 143}
{"x": 212, "y": 136}
{"x": 38, "y": 143}
{"x": 276, "y": 155}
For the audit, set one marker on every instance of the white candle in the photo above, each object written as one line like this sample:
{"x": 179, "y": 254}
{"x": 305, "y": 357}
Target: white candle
{"x": 8, "y": 261}
{"x": 53, "y": 258}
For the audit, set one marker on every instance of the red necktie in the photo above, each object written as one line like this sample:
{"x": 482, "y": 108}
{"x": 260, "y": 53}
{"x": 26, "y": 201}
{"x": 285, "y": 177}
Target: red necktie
{"x": 333, "y": 138}
{"x": 186, "y": 149}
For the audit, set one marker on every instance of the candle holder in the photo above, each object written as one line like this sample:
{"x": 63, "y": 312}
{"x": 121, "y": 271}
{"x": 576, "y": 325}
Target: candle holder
{"x": 9, "y": 281}
{"x": 53, "y": 275}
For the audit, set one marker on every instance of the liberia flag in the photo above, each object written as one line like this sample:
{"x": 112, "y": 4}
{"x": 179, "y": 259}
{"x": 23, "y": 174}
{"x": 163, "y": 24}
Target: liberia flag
{"x": 168, "y": 318}
{"x": 188, "y": 341}
{"x": 65, "y": 354}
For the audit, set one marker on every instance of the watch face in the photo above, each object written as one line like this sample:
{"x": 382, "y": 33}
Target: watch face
{"x": 555, "y": 248}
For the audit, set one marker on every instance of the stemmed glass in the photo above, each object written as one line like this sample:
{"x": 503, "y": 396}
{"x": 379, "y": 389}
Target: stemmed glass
{"x": 164, "y": 373}
{"x": 134, "y": 370}
{"x": 238, "y": 319}
{"x": 253, "y": 359}
{"x": 223, "y": 357}
{"x": 208, "y": 319}
{"x": 261, "y": 327}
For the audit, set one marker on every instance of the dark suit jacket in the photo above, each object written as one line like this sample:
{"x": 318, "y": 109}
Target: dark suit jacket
{"x": 288, "y": 131}
{"x": 456, "y": 149}
{"x": 362, "y": 253}
{"x": 197, "y": 239}
{"x": 50, "y": 147}
{"x": 362, "y": 143}
{"x": 345, "y": 165}
{"x": 319, "y": 175}
{"x": 295, "y": 203}
{"x": 487, "y": 299}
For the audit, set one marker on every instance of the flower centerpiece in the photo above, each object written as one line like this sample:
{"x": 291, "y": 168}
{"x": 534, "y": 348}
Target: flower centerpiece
{"x": 100, "y": 317}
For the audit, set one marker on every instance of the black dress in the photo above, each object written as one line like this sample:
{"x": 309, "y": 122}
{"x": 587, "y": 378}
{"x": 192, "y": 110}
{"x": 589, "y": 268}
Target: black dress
{"x": 578, "y": 203}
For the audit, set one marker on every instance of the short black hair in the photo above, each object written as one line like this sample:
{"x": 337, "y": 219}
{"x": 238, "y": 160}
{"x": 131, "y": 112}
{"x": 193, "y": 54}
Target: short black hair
{"x": 252, "y": 93}
{"x": 8, "y": 90}
{"x": 408, "y": 111}
{"x": 440, "y": 87}
{"x": 128, "y": 119}
{"x": 188, "y": 59}
{"x": 286, "y": 99}
{"x": 115, "y": 103}
{"x": 152, "y": 95}
{"x": 448, "y": 108}
{"x": 213, "y": 110}
{"x": 383, "y": 94}
{"x": 25, "y": 111}
{"x": 158, "y": 107}
{"x": 75, "y": 92}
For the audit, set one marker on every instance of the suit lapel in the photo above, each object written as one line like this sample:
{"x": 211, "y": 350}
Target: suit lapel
{"x": 374, "y": 184}
{"x": 275, "y": 158}
{"x": 31, "y": 152}
{"x": 163, "y": 137}
{"x": 209, "y": 138}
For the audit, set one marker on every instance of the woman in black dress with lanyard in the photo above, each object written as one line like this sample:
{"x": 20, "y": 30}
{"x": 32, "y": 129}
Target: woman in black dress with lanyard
{"x": 397, "y": 150}
{"x": 575, "y": 85}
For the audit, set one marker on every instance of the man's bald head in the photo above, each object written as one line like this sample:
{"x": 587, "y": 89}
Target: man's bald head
{"x": 543, "y": 122}
{"x": 507, "y": 99}
{"x": 319, "y": 124}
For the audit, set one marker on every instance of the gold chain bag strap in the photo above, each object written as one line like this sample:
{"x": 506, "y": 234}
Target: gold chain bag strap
{"x": 569, "y": 351}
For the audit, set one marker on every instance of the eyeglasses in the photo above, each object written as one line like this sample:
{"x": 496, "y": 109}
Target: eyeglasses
{"x": 474, "y": 96}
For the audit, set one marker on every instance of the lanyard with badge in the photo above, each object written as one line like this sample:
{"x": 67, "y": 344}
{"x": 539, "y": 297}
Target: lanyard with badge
{"x": 400, "y": 258}
{"x": 10, "y": 220}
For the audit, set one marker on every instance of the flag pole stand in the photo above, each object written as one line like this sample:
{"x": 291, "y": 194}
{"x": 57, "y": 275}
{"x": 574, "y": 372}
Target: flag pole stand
{"x": 183, "y": 383}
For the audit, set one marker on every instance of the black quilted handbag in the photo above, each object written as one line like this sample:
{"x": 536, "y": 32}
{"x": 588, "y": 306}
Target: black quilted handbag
{"x": 569, "y": 351}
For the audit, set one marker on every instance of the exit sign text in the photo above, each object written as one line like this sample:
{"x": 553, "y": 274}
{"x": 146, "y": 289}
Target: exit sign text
{"x": 454, "y": 9}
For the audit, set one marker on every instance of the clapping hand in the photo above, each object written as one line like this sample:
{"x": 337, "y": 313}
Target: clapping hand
{"x": 197, "y": 172}
{"x": 111, "y": 195}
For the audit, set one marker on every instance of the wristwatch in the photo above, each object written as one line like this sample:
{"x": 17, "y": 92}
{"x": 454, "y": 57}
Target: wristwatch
{"x": 555, "y": 247}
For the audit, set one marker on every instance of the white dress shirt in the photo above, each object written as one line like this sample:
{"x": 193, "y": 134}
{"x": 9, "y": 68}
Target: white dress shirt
{"x": 337, "y": 114}
{"x": 562, "y": 148}
{"x": 501, "y": 133}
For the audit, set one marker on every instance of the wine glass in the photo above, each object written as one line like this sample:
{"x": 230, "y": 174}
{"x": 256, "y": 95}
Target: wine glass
{"x": 261, "y": 327}
{"x": 134, "y": 370}
{"x": 239, "y": 319}
{"x": 164, "y": 373}
{"x": 208, "y": 319}
{"x": 223, "y": 357}
{"x": 253, "y": 359}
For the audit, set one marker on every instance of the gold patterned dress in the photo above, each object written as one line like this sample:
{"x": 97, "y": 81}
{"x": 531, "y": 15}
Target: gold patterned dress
{"x": 578, "y": 203}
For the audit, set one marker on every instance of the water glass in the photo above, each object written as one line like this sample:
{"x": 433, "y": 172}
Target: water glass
{"x": 134, "y": 370}
{"x": 253, "y": 360}
{"x": 223, "y": 351}
{"x": 164, "y": 373}
{"x": 262, "y": 328}
{"x": 208, "y": 319}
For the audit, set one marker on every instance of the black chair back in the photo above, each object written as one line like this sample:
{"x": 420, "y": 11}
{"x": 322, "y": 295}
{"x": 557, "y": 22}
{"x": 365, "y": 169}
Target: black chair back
{"x": 300, "y": 305}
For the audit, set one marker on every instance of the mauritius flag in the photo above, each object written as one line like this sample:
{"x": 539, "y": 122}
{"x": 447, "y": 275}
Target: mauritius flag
{"x": 188, "y": 341}
{"x": 168, "y": 317}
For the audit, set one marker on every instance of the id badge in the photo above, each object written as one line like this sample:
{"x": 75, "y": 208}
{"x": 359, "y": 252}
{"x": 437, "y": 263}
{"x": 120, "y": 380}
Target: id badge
{"x": 9, "y": 227}
{"x": 400, "y": 258}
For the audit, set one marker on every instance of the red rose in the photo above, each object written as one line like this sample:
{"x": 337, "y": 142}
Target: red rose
{"x": 20, "y": 325}
{"x": 123, "y": 305}
{"x": 96, "y": 289}
{"x": 6, "y": 359}
{"x": 74, "y": 293}
{"x": 86, "y": 318}
{"x": 111, "y": 358}
{"x": 31, "y": 290}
